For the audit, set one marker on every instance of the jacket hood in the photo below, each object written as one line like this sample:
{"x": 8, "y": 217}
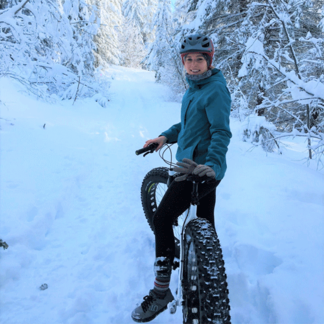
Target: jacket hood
{"x": 217, "y": 75}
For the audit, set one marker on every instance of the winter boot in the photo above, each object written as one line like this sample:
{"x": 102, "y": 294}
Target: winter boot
{"x": 152, "y": 306}
{"x": 159, "y": 297}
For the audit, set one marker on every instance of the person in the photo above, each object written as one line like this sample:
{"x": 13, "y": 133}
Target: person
{"x": 203, "y": 135}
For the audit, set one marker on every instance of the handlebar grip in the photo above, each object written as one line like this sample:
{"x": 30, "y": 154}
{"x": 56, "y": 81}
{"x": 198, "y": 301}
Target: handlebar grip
{"x": 150, "y": 148}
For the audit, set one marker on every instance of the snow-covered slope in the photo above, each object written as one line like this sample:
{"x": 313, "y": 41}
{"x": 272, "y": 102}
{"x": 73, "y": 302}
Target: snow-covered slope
{"x": 71, "y": 213}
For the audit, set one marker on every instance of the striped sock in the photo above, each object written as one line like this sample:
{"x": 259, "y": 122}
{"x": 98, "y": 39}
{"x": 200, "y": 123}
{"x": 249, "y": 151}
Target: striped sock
{"x": 161, "y": 285}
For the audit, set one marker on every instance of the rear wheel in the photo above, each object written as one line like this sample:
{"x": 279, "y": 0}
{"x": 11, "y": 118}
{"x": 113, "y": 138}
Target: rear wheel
{"x": 153, "y": 189}
{"x": 204, "y": 285}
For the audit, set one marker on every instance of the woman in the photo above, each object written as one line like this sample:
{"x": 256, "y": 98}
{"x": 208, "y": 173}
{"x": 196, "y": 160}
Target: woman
{"x": 203, "y": 136}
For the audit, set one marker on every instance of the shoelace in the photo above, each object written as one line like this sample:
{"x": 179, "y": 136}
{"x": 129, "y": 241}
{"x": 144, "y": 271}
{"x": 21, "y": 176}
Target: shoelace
{"x": 148, "y": 300}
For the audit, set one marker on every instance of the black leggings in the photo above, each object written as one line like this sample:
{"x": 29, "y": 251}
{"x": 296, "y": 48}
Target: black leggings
{"x": 175, "y": 201}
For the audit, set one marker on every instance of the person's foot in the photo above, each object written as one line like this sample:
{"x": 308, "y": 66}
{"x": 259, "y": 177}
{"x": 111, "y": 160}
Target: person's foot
{"x": 152, "y": 306}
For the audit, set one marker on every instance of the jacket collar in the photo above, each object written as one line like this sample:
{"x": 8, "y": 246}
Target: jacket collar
{"x": 196, "y": 84}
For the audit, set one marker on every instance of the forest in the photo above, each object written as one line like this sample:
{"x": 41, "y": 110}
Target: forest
{"x": 85, "y": 83}
{"x": 270, "y": 52}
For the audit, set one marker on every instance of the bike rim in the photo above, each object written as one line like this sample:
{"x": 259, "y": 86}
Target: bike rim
{"x": 160, "y": 189}
{"x": 192, "y": 277}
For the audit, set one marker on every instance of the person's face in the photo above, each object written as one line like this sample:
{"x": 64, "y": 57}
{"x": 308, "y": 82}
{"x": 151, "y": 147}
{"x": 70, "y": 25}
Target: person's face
{"x": 195, "y": 63}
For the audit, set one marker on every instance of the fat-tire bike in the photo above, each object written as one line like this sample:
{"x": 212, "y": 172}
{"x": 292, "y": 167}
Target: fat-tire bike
{"x": 202, "y": 285}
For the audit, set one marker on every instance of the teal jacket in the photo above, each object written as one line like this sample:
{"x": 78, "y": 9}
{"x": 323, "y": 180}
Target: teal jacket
{"x": 203, "y": 134}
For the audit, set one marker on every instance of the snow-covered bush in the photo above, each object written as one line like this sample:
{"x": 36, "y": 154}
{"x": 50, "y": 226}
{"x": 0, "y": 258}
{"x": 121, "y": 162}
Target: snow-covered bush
{"x": 258, "y": 131}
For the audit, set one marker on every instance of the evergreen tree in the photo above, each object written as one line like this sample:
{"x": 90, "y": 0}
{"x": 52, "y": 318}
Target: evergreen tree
{"x": 132, "y": 46}
{"x": 163, "y": 55}
{"x": 108, "y": 36}
{"x": 140, "y": 13}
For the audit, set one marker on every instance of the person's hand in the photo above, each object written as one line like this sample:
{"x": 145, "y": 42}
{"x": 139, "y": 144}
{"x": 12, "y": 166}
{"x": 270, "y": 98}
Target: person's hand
{"x": 202, "y": 170}
{"x": 161, "y": 140}
{"x": 187, "y": 167}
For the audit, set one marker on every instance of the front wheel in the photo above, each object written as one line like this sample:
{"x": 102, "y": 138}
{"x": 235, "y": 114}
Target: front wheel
{"x": 204, "y": 286}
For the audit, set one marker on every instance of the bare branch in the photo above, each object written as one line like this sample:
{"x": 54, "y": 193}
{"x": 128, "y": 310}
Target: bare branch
{"x": 21, "y": 7}
{"x": 76, "y": 94}
{"x": 289, "y": 39}
{"x": 271, "y": 62}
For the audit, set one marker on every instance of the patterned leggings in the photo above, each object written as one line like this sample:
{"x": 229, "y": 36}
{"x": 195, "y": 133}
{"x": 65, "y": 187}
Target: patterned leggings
{"x": 175, "y": 201}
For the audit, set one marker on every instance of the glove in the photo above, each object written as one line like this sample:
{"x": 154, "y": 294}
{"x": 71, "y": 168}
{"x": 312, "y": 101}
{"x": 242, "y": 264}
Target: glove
{"x": 187, "y": 168}
{"x": 202, "y": 170}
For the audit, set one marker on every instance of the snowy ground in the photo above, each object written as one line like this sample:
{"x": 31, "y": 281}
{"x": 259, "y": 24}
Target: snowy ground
{"x": 71, "y": 213}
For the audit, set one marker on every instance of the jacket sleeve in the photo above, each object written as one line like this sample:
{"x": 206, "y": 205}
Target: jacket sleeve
{"x": 218, "y": 111}
{"x": 172, "y": 133}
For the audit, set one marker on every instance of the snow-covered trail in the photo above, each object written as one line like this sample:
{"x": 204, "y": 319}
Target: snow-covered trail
{"x": 71, "y": 214}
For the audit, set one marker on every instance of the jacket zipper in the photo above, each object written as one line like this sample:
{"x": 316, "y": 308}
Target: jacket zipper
{"x": 185, "y": 117}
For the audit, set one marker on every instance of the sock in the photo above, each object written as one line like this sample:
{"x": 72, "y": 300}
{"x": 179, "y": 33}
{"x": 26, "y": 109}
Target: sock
{"x": 161, "y": 286}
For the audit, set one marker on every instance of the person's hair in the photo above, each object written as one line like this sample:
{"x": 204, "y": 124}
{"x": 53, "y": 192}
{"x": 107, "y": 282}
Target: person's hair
{"x": 207, "y": 58}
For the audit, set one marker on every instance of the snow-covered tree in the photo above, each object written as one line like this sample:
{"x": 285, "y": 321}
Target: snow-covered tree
{"x": 108, "y": 37}
{"x": 131, "y": 45}
{"x": 282, "y": 76}
{"x": 48, "y": 45}
{"x": 140, "y": 13}
{"x": 84, "y": 25}
{"x": 163, "y": 55}
{"x": 270, "y": 52}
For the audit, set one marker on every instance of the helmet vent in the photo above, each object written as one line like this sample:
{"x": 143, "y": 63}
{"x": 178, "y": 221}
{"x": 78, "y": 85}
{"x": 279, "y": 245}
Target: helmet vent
{"x": 205, "y": 45}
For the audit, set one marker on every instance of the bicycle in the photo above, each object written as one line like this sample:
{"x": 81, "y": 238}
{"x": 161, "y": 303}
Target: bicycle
{"x": 202, "y": 285}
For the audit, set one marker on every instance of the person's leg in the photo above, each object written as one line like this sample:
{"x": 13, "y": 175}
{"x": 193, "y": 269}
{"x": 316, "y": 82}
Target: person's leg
{"x": 207, "y": 204}
{"x": 175, "y": 201}
{"x": 172, "y": 205}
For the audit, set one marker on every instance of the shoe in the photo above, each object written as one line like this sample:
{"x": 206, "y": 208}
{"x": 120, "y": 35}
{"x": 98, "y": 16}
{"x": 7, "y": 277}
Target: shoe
{"x": 152, "y": 306}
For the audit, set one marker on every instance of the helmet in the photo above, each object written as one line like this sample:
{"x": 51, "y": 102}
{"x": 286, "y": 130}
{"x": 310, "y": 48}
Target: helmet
{"x": 197, "y": 43}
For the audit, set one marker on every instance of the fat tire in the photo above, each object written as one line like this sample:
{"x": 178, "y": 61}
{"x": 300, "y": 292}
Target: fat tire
{"x": 204, "y": 286}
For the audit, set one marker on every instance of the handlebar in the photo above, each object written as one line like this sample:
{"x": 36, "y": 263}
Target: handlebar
{"x": 149, "y": 149}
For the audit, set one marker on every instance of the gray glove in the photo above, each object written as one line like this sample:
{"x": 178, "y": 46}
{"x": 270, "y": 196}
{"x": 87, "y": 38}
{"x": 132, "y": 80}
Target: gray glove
{"x": 202, "y": 170}
{"x": 187, "y": 168}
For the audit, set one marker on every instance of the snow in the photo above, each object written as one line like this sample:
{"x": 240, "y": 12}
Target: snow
{"x": 70, "y": 211}
{"x": 255, "y": 122}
